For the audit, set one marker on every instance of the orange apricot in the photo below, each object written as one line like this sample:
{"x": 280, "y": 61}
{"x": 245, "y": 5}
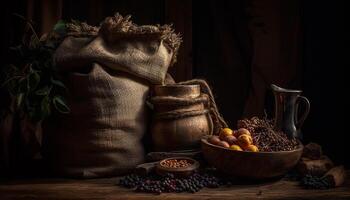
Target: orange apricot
{"x": 242, "y": 131}
{"x": 235, "y": 147}
{"x": 252, "y": 148}
{"x": 225, "y": 132}
{"x": 244, "y": 140}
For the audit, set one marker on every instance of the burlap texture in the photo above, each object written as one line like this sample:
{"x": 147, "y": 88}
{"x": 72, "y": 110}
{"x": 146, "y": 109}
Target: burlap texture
{"x": 143, "y": 51}
{"x": 206, "y": 97}
{"x": 102, "y": 134}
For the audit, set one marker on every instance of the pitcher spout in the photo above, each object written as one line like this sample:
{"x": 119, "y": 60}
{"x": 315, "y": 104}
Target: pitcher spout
{"x": 276, "y": 88}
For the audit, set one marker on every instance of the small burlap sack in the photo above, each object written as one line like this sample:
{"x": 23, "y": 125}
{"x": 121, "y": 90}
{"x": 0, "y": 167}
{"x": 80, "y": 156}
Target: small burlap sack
{"x": 109, "y": 72}
{"x": 218, "y": 121}
{"x": 207, "y": 97}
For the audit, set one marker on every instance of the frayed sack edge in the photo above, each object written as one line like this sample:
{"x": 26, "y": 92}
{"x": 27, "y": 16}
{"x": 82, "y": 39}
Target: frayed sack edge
{"x": 118, "y": 27}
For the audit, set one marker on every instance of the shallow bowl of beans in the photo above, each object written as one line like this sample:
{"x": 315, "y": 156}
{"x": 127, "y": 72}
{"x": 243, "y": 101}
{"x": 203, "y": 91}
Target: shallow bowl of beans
{"x": 179, "y": 166}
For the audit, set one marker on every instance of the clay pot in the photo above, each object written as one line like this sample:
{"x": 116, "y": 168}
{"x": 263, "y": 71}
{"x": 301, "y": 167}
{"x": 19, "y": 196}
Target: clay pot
{"x": 182, "y": 130}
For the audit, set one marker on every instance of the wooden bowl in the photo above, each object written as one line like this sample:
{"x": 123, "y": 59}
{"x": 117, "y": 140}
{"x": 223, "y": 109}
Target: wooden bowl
{"x": 251, "y": 165}
{"x": 180, "y": 172}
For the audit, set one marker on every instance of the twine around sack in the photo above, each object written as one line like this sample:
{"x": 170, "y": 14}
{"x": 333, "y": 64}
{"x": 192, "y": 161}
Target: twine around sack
{"x": 178, "y": 101}
{"x": 206, "y": 97}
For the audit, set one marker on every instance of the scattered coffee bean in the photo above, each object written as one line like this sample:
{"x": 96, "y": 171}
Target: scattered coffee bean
{"x": 159, "y": 184}
{"x": 175, "y": 163}
{"x": 314, "y": 182}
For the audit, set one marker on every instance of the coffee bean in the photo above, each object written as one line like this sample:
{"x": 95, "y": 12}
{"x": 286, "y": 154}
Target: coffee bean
{"x": 153, "y": 183}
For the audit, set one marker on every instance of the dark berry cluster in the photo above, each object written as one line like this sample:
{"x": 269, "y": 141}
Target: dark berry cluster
{"x": 168, "y": 183}
{"x": 314, "y": 182}
{"x": 265, "y": 137}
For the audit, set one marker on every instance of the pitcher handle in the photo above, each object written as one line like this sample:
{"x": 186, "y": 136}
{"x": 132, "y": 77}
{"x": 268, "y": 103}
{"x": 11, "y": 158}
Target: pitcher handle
{"x": 299, "y": 122}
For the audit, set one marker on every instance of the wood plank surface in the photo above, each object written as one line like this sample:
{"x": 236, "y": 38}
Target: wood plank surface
{"x": 101, "y": 189}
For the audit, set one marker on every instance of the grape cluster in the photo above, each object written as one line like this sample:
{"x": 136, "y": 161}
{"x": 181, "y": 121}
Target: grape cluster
{"x": 314, "y": 182}
{"x": 168, "y": 183}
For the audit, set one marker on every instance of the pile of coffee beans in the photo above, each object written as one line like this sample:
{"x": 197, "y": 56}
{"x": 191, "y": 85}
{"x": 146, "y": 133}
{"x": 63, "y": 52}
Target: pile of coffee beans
{"x": 314, "y": 182}
{"x": 168, "y": 183}
{"x": 265, "y": 137}
{"x": 308, "y": 181}
{"x": 175, "y": 163}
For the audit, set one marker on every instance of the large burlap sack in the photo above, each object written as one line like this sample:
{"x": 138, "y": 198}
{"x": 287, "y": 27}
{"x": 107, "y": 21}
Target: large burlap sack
{"x": 109, "y": 72}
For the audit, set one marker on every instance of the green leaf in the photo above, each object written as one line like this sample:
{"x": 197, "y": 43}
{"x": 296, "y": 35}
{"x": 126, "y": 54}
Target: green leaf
{"x": 22, "y": 85}
{"x": 58, "y": 83}
{"x": 60, "y": 104}
{"x": 11, "y": 74}
{"x": 33, "y": 81}
{"x": 34, "y": 41}
{"x": 19, "y": 99}
{"x": 60, "y": 27}
{"x": 43, "y": 91}
{"x": 11, "y": 87}
{"x": 45, "y": 107}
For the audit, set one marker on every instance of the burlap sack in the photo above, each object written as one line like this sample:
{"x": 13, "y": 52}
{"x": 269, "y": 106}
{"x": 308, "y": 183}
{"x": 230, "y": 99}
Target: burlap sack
{"x": 109, "y": 73}
{"x": 143, "y": 51}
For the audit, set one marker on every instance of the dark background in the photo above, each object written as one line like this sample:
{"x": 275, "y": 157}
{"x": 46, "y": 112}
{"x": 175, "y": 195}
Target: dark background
{"x": 239, "y": 46}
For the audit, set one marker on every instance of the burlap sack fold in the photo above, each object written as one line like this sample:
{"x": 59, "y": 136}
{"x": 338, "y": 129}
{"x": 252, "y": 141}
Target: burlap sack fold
{"x": 109, "y": 72}
{"x": 143, "y": 51}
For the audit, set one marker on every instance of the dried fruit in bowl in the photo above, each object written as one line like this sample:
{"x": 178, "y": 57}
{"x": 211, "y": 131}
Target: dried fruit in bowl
{"x": 214, "y": 140}
{"x": 242, "y": 131}
{"x": 225, "y": 132}
{"x": 224, "y": 144}
{"x": 245, "y": 140}
{"x": 236, "y": 147}
{"x": 231, "y": 139}
{"x": 251, "y": 148}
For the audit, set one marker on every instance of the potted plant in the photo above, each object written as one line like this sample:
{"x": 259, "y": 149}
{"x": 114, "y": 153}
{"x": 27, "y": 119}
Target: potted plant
{"x": 34, "y": 91}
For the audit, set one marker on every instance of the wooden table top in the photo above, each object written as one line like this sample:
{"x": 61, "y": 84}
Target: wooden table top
{"x": 96, "y": 189}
